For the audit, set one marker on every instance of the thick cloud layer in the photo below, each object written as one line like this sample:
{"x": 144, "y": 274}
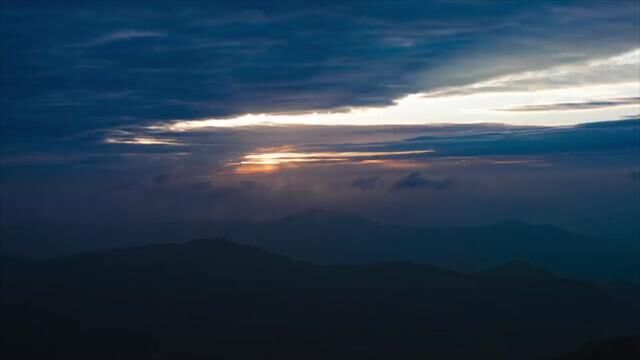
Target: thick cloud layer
{"x": 77, "y": 67}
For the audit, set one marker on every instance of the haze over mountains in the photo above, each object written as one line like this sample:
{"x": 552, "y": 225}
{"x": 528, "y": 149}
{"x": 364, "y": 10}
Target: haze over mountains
{"x": 217, "y": 299}
{"x": 329, "y": 237}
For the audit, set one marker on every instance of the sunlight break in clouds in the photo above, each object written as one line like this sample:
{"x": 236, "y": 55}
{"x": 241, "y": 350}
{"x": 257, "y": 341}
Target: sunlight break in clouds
{"x": 589, "y": 86}
{"x": 289, "y": 157}
{"x": 142, "y": 141}
{"x": 269, "y": 161}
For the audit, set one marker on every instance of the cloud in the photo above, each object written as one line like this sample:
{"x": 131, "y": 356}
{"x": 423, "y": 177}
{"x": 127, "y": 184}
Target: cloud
{"x": 635, "y": 175}
{"x": 161, "y": 179}
{"x": 601, "y": 86}
{"x": 79, "y": 120}
{"x": 611, "y": 69}
{"x": 500, "y": 166}
{"x": 415, "y": 181}
{"x": 501, "y": 140}
{"x": 192, "y": 60}
{"x": 121, "y": 35}
{"x": 570, "y": 106}
{"x": 141, "y": 141}
{"x": 368, "y": 183}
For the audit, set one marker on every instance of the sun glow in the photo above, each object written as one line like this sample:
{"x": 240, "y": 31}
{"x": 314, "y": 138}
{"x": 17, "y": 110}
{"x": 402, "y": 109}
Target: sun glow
{"x": 141, "y": 141}
{"x": 275, "y": 160}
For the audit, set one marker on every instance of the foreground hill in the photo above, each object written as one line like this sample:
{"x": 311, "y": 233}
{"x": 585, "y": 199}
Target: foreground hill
{"x": 337, "y": 238}
{"x": 623, "y": 348}
{"x": 216, "y": 299}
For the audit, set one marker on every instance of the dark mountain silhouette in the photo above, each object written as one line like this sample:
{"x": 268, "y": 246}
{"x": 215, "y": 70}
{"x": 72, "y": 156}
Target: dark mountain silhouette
{"x": 214, "y": 299}
{"x": 623, "y": 348}
{"x": 327, "y": 237}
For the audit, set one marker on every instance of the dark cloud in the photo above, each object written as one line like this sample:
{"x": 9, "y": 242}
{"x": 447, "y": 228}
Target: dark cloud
{"x": 576, "y": 105}
{"x": 496, "y": 139}
{"x": 161, "y": 179}
{"x": 368, "y": 183}
{"x": 635, "y": 175}
{"x": 415, "y": 181}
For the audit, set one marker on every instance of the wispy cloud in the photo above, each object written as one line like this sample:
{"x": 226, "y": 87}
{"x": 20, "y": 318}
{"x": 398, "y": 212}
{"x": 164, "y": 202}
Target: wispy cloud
{"x": 142, "y": 140}
{"x": 121, "y": 35}
{"x": 619, "y": 68}
{"x": 570, "y": 106}
{"x": 268, "y": 161}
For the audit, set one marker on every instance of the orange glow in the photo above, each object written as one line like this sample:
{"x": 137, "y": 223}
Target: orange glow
{"x": 267, "y": 162}
{"x": 395, "y": 163}
{"x": 142, "y": 141}
{"x": 276, "y": 158}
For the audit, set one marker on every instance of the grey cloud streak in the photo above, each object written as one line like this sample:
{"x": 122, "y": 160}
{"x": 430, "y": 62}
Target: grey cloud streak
{"x": 577, "y": 105}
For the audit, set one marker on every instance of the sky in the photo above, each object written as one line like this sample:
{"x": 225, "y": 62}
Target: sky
{"x": 407, "y": 111}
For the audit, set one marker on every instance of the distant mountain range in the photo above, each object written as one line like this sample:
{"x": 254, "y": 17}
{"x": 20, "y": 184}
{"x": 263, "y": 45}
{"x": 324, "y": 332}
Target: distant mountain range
{"x": 326, "y": 237}
{"x": 330, "y": 238}
{"x": 215, "y": 299}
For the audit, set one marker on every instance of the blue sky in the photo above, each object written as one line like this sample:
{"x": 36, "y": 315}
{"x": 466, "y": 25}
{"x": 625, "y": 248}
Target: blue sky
{"x": 404, "y": 110}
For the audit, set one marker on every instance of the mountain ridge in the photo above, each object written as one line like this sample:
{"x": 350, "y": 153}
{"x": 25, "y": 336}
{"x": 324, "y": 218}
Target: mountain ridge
{"x": 330, "y": 237}
{"x": 216, "y": 298}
